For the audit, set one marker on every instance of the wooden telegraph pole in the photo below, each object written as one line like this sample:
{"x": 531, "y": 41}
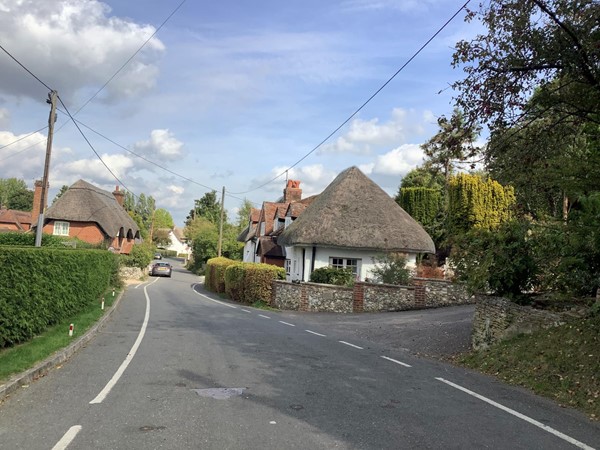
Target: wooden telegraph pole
{"x": 51, "y": 119}
{"x": 221, "y": 223}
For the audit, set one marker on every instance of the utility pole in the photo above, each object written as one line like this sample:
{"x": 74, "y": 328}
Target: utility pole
{"x": 221, "y": 224}
{"x": 51, "y": 119}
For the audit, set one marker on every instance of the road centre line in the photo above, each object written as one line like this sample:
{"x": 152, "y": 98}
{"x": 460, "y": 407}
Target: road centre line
{"x": 315, "y": 333}
{"x": 245, "y": 310}
{"x": 286, "y": 323}
{"x": 111, "y": 383}
{"x": 67, "y": 438}
{"x": 213, "y": 300}
{"x": 351, "y": 345}
{"x": 519, "y": 415}
{"x": 266, "y": 317}
{"x": 396, "y": 361}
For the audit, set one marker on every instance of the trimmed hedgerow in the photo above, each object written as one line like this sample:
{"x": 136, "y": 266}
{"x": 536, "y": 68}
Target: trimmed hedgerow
{"x": 18, "y": 239}
{"x": 215, "y": 273}
{"x": 258, "y": 281}
{"x": 235, "y": 281}
{"x": 39, "y": 287}
{"x": 332, "y": 275}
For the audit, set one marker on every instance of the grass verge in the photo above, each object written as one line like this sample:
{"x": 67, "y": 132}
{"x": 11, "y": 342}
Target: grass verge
{"x": 24, "y": 356}
{"x": 562, "y": 363}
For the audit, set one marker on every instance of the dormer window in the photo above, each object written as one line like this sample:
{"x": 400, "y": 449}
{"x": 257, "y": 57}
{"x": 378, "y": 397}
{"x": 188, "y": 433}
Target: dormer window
{"x": 61, "y": 228}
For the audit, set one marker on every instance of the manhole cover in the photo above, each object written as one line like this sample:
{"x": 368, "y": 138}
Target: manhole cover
{"x": 219, "y": 393}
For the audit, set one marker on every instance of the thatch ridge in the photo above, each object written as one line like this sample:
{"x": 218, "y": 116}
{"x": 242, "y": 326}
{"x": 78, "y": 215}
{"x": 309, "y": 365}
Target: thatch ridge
{"x": 84, "y": 202}
{"x": 354, "y": 212}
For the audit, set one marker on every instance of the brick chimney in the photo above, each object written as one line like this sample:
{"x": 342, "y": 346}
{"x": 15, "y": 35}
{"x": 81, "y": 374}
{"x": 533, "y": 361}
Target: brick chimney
{"x": 37, "y": 197}
{"x": 292, "y": 192}
{"x": 119, "y": 195}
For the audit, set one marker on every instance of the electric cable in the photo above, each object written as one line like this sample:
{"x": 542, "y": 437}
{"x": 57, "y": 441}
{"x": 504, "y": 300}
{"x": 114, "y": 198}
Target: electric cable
{"x": 26, "y": 69}
{"x": 365, "y": 103}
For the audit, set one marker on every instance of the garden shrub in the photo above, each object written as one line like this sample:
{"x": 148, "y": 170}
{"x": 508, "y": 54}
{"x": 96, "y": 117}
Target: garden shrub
{"x": 39, "y": 287}
{"x": 215, "y": 273}
{"x": 235, "y": 281}
{"x": 141, "y": 256}
{"x": 332, "y": 275}
{"x": 258, "y": 281}
{"x": 391, "y": 269}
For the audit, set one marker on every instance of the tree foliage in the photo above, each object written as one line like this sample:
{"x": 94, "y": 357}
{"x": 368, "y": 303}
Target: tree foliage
{"x": 390, "y": 268}
{"x": 64, "y": 188}
{"x": 548, "y": 46}
{"x": 15, "y": 195}
{"x": 207, "y": 207}
{"x": 477, "y": 203}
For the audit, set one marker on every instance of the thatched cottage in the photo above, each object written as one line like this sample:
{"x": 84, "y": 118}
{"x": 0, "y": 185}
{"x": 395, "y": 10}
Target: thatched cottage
{"x": 93, "y": 215}
{"x": 349, "y": 224}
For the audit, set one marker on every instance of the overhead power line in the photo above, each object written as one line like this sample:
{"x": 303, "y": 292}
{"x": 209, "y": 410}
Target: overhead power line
{"x": 364, "y": 104}
{"x": 131, "y": 57}
{"x": 26, "y": 69}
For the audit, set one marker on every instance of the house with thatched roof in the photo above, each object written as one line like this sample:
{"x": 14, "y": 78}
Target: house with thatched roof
{"x": 348, "y": 225}
{"x": 93, "y": 215}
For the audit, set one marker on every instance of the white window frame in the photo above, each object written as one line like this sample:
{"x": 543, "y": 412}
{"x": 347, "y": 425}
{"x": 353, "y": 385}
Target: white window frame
{"x": 60, "y": 227}
{"x": 342, "y": 263}
{"x": 288, "y": 264}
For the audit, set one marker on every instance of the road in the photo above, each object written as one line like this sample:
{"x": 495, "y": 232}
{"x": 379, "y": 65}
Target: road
{"x": 178, "y": 368}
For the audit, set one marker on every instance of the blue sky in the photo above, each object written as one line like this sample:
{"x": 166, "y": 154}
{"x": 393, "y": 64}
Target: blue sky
{"x": 227, "y": 93}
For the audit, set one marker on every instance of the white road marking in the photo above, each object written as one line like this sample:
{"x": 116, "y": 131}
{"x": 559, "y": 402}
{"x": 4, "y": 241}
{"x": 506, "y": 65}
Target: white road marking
{"x": 314, "y": 332}
{"x": 245, "y": 310}
{"x": 351, "y": 345}
{"x": 104, "y": 392}
{"x": 396, "y": 361}
{"x": 286, "y": 323}
{"x": 67, "y": 438}
{"x": 213, "y": 300}
{"x": 266, "y": 317}
{"x": 519, "y": 415}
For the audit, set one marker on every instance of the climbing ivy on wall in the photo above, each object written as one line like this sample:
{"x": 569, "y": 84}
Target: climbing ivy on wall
{"x": 423, "y": 204}
{"x": 477, "y": 203}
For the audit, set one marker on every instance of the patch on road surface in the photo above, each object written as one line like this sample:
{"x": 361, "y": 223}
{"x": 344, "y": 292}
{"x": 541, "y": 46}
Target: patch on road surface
{"x": 219, "y": 393}
{"x": 152, "y": 428}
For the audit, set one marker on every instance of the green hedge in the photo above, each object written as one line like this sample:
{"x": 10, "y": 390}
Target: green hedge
{"x": 19, "y": 239}
{"x": 39, "y": 287}
{"x": 258, "y": 281}
{"x": 215, "y": 274}
{"x": 235, "y": 275}
{"x": 332, "y": 275}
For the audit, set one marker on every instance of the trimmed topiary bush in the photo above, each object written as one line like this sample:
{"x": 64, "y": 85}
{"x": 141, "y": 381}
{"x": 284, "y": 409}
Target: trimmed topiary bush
{"x": 235, "y": 275}
{"x": 258, "y": 281}
{"x": 215, "y": 274}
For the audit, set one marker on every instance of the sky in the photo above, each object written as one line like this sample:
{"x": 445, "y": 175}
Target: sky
{"x": 226, "y": 94}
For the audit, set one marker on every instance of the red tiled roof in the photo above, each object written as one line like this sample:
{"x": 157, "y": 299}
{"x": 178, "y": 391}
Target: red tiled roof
{"x": 18, "y": 218}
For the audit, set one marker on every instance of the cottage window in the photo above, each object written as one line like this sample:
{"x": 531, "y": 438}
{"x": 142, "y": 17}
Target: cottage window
{"x": 61, "y": 228}
{"x": 287, "y": 266}
{"x": 342, "y": 263}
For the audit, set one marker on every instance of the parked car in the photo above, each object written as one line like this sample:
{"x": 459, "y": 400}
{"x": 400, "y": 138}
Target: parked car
{"x": 157, "y": 256}
{"x": 161, "y": 269}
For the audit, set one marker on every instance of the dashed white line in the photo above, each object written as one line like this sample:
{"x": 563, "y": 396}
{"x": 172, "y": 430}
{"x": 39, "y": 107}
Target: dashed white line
{"x": 286, "y": 323}
{"x": 396, "y": 361}
{"x": 245, "y": 310}
{"x": 111, "y": 383}
{"x": 519, "y": 415}
{"x": 262, "y": 315}
{"x": 351, "y": 345}
{"x": 67, "y": 438}
{"x": 314, "y": 332}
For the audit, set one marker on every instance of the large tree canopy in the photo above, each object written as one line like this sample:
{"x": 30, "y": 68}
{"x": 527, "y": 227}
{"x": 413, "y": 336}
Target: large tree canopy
{"x": 548, "y": 46}
{"x": 15, "y": 195}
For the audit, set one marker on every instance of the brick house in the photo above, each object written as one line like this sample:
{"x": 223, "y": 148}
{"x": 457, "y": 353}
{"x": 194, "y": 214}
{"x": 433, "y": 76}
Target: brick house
{"x": 13, "y": 220}
{"x": 93, "y": 215}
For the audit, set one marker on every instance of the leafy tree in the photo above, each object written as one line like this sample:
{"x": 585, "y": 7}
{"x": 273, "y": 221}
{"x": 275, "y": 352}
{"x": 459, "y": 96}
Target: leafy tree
{"x": 550, "y": 46}
{"x": 15, "y": 195}
{"x": 453, "y": 143}
{"x": 422, "y": 177}
{"x": 244, "y": 214}
{"x": 207, "y": 207}
{"x": 64, "y": 188}
{"x": 477, "y": 203}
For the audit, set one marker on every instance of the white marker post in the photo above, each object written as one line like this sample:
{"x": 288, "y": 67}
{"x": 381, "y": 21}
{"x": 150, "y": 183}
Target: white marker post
{"x": 71, "y": 330}
{"x": 102, "y": 304}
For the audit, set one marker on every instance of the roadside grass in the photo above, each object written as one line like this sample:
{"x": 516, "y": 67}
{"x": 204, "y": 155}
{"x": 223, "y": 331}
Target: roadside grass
{"x": 562, "y": 363}
{"x": 24, "y": 356}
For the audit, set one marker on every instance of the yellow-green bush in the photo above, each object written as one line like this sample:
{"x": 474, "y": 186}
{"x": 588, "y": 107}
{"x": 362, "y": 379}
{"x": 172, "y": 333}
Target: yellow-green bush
{"x": 258, "y": 281}
{"x": 215, "y": 273}
{"x": 235, "y": 275}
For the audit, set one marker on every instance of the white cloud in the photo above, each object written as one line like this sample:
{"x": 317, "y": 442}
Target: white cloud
{"x": 398, "y": 161}
{"x": 93, "y": 170}
{"x": 365, "y": 136}
{"x": 74, "y": 45}
{"x": 4, "y": 117}
{"x": 375, "y": 5}
{"x": 162, "y": 145}
{"x": 23, "y": 159}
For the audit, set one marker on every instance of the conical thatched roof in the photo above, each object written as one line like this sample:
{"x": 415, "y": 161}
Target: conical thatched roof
{"x": 84, "y": 202}
{"x": 354, "y": 212}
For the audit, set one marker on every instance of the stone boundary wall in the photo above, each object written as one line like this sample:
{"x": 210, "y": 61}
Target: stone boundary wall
{"x": 131, "y": 273}
{"x": 367, "y": 297}
{"x": 497, "y": 318}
